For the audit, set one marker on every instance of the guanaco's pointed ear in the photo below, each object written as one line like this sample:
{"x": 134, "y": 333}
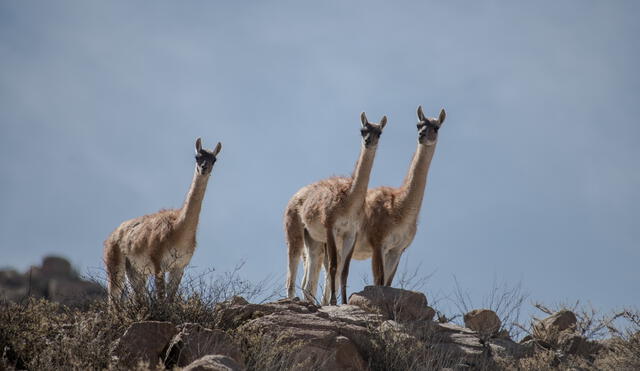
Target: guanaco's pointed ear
{"x": 443, "y": 115}
{"x": 198, "y": 145}
{"x": 383, "y": 122}
{"x": 421, "y": 114}
{"x": 217, "y": 149}
{"x": 364, "y": 120}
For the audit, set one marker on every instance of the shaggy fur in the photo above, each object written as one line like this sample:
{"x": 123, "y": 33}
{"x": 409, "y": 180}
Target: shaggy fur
{"x": 391, "y": 214}
{"x": 158, "y": 243}
{"x": 326, "y": 217}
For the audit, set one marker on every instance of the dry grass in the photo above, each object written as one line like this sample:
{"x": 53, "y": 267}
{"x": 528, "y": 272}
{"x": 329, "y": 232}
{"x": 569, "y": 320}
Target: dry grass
{"x": 40, "y": 335}
{"x": 504, "y": 299}
{"x": 266, "y": 353}
{"x": 37, "y": 334}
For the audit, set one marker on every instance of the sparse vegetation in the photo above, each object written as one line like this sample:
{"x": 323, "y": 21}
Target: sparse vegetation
{"x": 38, "y": 334}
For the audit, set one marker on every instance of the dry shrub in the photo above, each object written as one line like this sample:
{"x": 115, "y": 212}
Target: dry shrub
{"x": 622, "y": 352}
{"x": 266, "y": 353}
{"x": 590, "y": 323}
{"x": 37, "y": 334}
{"x": 504, "y": 299}
{"x": 416, "y": 346}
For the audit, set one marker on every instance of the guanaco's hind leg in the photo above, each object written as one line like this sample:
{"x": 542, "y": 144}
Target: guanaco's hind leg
{"x": 138, "y": 282}
{"x": 115, "y": 263}
{"x": 294, "y": 231}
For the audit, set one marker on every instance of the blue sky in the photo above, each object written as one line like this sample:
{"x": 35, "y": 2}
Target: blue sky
{"x": 535, "y": 179}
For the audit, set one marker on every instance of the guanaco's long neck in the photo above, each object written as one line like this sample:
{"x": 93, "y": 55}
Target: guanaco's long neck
{"x": 416, "y": 180}
{"x": 190, "y": 212}
{"x": 361, "y": 175}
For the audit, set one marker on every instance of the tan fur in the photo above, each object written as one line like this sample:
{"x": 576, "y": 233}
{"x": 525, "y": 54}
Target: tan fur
{"x": 391, "y": 214}
{"x": 157, "y": 243}
{"x": 327, "y": 215}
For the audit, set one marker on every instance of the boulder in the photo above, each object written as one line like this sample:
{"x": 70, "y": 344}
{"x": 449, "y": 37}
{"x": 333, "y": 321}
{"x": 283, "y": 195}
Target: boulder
{"x": 557, "y": 322}
{"x": 464, "y": 344}
{"x": 215, "y": 362}
{"x": 335, "y": 353}
{"x": 194, "y": 341}
{"x": 143, "y": 341}
{"x": 54, "y": 266}
{"x": 483, "y": 321}
{"x": 333, "y": 338}
{"x": 236, "y": 311}
{"x": 392, "y": 303}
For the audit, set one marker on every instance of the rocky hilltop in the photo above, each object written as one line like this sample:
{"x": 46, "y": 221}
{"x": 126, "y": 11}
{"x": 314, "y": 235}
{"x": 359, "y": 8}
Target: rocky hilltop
{"x": 55, "y": 320}
{"x": 380, "y": 328}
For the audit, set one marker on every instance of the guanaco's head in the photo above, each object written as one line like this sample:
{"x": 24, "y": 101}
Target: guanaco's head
{"x": 206, "y": 158}
{"x": 428, "y": 127}
{"x": 371, "y": 132}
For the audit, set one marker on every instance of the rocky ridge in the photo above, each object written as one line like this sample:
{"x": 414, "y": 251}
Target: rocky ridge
{"x": 378, "y": 323}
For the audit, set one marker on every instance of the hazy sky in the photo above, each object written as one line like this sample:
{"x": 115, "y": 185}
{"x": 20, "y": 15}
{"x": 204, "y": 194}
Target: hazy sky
{"x": 536, "y": 177}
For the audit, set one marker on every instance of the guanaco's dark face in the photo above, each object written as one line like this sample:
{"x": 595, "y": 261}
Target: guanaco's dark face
{"x": 428, "y": 127}
{"x": 206, "y": 158}
{"x": 371, "y": 132}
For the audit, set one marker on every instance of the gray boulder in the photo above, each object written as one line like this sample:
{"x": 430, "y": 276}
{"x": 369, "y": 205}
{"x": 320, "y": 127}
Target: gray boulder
{"x": 392, "y": 303}
{"x": 143, "y": 342}
{"x": 484, "y": 321}
{"x": 194, "y": 342}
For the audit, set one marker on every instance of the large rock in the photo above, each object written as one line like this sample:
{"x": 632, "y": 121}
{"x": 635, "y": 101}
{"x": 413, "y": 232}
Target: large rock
{"x": 557, "y": 322}
{"x": 55, "y": 266}
{"x": 303, "y": 335}
{"x": 464, "y": 345}
{"x": 392, "y": 303}
{"x": 311, "y": 341}
{"x": 214, "y": 363}
{"x": 143, "y": 342}
{"x": 484, "y": 321}
{"x": 236, "y": 311}
{"x": 194, "y": 342}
